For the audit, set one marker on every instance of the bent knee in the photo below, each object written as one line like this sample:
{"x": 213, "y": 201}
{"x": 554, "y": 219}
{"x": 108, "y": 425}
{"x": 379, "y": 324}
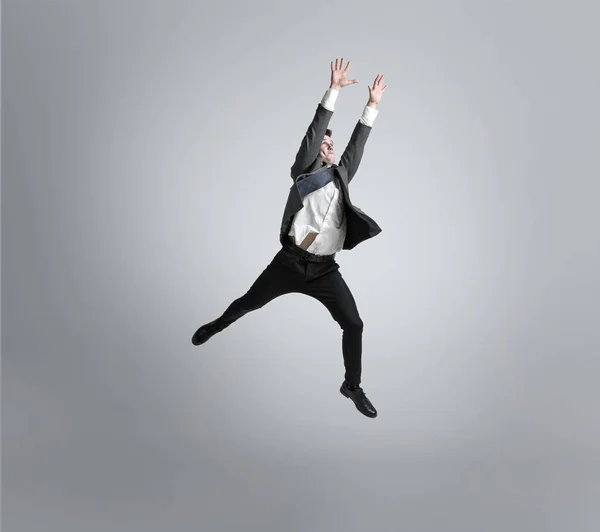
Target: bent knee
{"x": 353, "y": 324}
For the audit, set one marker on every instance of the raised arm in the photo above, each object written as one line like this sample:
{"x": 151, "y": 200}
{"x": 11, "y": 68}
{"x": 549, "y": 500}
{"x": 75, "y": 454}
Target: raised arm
{"x": 311, "y": 143}
{"x": 353, "y": 153}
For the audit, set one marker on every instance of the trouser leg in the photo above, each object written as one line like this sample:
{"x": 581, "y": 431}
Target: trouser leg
{"x": 274, "y": 281}
{"x": 333, "y": 292}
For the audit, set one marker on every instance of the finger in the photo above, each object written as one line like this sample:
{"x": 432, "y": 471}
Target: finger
{"x": 384, "y": 88}
{"x": 347, "y": 66}
{"x": 332, "y": 66}
{"x": 342, "y": 63}
{"x": 354, "y": 81}
{"x": 336, "y": 63}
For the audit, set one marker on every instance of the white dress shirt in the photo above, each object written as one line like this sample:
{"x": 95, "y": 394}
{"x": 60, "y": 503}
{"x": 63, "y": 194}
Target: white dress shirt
{"x": 323, "y": 210}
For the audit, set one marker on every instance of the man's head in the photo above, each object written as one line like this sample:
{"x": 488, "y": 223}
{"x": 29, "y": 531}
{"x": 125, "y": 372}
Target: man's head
{"x": 326, "y": 153}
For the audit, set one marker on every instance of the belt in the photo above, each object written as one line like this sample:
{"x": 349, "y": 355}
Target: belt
{"x": 307, "y": 256}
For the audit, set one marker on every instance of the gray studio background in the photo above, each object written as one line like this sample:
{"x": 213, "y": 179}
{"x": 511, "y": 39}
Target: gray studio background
{"x": 146, "y": 154}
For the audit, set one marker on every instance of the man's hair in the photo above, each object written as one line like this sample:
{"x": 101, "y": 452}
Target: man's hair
{"x": 328, "y": 132}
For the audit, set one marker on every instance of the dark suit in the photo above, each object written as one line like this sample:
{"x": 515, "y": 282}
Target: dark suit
{"x": 360, "y": 227}
{"x": 296, "y": 270}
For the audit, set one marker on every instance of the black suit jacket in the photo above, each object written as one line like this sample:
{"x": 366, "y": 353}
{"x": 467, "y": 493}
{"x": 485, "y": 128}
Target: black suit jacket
{"x": 360, "y": 227}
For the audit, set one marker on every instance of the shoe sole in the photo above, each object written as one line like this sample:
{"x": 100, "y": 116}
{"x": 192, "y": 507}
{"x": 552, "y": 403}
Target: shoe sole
{"x": 195, "y": 342}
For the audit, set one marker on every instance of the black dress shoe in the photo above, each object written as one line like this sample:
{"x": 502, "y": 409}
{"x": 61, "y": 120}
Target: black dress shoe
{"x": 205, "y": 332}
{"x": 360, "y": 399}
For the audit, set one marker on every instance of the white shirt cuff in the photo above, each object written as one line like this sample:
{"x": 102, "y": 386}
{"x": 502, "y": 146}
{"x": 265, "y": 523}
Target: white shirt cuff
{"x": 368, "y": 116}
{"x": 329, "y": 99}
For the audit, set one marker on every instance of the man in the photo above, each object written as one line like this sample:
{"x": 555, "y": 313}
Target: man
{"x": 318, "y": 221}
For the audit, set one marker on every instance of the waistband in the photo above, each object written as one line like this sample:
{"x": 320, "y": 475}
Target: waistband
{"x": 307, "y": 255}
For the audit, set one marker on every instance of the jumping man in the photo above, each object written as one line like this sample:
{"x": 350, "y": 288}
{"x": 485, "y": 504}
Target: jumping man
{"x": 319, "y": 220}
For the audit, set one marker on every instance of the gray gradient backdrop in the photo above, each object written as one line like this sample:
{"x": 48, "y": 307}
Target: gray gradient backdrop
{"x": 147, "y": 148}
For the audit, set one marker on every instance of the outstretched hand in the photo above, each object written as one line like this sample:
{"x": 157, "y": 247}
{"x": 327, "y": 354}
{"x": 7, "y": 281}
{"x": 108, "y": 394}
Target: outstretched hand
{"x": 376, "y": 92}
{"x": 338, "y": 75}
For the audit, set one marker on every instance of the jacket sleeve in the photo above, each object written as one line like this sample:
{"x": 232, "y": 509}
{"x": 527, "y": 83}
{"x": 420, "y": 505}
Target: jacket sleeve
{"x": 311, "y": 143}
{"x": 354, "y": 151}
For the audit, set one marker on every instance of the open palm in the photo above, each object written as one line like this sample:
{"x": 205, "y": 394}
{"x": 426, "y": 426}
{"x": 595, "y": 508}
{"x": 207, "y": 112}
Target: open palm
{"x": 339, "y": 74}
{"x": 376, "y": 92}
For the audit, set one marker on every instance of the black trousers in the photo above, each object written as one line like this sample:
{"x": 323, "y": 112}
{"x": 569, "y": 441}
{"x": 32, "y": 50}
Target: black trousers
{"x": 295, "y": 270}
